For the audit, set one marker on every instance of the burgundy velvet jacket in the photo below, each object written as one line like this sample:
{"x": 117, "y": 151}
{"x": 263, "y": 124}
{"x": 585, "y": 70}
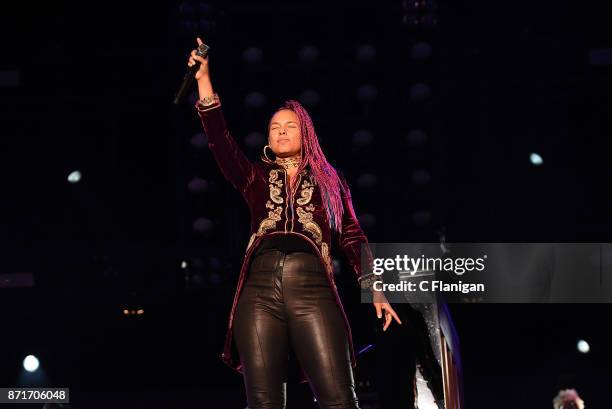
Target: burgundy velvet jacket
{"x": 276, "y": 210}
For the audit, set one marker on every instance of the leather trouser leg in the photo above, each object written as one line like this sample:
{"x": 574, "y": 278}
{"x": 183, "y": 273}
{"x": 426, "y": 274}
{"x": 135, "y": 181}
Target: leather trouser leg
{"x": 287, "y": 303}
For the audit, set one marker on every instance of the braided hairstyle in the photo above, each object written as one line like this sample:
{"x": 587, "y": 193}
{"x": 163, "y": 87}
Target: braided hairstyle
{"x": 324, "y": 174}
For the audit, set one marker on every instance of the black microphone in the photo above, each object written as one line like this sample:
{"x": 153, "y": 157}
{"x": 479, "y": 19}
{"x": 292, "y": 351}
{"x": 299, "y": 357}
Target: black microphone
{"x": 202, "y": 51}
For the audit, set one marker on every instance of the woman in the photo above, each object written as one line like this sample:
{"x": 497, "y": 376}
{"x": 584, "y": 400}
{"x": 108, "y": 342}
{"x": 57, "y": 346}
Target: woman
{"x": 286, "y": 295}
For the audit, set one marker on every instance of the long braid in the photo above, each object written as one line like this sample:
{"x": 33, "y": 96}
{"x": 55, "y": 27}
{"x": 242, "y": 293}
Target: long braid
{"x": 324, "y": 174}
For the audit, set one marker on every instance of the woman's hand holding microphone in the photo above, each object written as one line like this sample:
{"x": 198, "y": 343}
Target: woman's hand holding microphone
{"x": 202, "y": 75}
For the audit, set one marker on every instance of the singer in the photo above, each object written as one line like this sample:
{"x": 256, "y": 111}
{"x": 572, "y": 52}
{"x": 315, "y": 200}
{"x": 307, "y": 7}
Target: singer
{"x": 286, "y": 295}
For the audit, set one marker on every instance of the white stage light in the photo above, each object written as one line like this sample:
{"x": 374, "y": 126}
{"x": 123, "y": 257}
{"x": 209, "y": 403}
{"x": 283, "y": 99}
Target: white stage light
{"x": 74, "y": 177}
{"x": 30, "y": 363}
{"x": 536, "y": 159}
{"x": 583, "y": 346}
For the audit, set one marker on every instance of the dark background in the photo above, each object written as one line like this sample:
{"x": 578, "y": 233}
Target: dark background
{"x": 93, "y": 93}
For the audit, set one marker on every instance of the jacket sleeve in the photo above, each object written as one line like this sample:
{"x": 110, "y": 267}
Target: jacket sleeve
{"x": 232, "y": 162}
{"x": 352, "y": 238}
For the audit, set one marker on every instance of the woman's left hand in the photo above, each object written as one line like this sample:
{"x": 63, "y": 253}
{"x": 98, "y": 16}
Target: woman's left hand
{"x": 381, "y": 304}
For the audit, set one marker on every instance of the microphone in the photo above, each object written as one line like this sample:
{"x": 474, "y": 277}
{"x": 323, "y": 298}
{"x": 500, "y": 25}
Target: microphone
{"x": 202, "y": 51}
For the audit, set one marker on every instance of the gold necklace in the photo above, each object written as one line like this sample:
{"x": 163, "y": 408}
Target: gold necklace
{"x": 289, "y": 163}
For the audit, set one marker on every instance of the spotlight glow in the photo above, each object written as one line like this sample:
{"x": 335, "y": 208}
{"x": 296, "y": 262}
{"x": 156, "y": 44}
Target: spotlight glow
{"x": 309, "y": 54}
{"x": 74, "y": 177}
{"x": 420, "y": 91}
{"x": 536, "y": 159}
{"x": 583, "y": 346}
{"x": 255, "y": 100}
{"x": 362, "y": 137}
{"x": 252, "y": 55}
{"x": 202, "y": 225}
{"x": 309, "y": 97}
{"x": 367, "y": 93}
{"x": 365, "y": 53}
{"x": 30, "y": 363}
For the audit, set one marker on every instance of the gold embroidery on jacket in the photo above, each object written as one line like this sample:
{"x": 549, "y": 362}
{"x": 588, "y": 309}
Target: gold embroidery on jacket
{"x": 306, "y": 194}
{"x": 274, "y": 215}
{"x": 275, "y": 187}
{"x": 306, "y": 183}
{"x": 305, "y": 214}
{"x": 309, "y": 224}
{"x": 326, "y": 257}
{"x": 269, "y": 222}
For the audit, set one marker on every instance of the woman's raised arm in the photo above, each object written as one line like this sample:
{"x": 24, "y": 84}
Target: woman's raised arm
{"x": 234, "y": 165}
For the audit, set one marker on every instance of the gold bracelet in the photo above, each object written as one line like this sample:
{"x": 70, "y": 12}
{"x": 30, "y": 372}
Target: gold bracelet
{"x": 209, "y": 100}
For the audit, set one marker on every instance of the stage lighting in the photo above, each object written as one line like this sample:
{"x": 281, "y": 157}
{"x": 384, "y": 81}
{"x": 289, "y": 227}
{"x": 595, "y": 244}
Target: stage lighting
{"x": 198, "y": 185}
{"x": 255, "y": 140}
{"x": 367, "y": 93}
{"x": 536, "y": 159}
{"x": 196, "y": 16}
{"x": 199, "y": 140}
{"x": 416, "y": 6}
{"x": 214, "y": 278}
{"x": 255, "y": 100}
{"x": 31, "y": 363}
{"x": 362, "y": 137}
{"x": 186, "y": 8}
{"x": 421, "y": 51}
{"x": 367, "y": 181}
{"x": 74, "y": 177}
{"x": 416, "y": 137}
{"x": 583, "y": 346}
{"x": 365, "y": 53}
{"x": 420, "y": 177}
{"x": 416, "y": 22}
{"x": 252, "y": 55}
{"x": 308, "y": 54}
{"x": 202, "y": 225}
{"x": 215, "y": 263}
{"x": 138, "y": 311}
{"x": 309, "y": 97}
{"x": 421, "y": 217}
{"x": 419, "y": 91}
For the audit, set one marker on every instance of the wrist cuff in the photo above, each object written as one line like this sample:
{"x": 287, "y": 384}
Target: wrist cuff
{"x": 367, "y": 281}
{"x": 208, "y": 103}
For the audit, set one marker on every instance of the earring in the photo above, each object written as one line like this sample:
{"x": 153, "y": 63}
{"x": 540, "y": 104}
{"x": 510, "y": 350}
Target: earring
{"x": 264, "y": 153}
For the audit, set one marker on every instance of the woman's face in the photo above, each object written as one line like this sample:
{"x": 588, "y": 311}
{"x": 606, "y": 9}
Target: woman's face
{"x": 284, "y": 135}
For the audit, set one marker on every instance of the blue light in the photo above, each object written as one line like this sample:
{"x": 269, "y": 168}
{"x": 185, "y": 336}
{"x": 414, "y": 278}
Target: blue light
{"x": 536, "y": 159}
{"x": 75, "y": 176}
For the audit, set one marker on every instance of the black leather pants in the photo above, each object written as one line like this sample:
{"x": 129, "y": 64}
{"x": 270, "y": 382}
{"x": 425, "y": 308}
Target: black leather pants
{"x": 287, "y": 303}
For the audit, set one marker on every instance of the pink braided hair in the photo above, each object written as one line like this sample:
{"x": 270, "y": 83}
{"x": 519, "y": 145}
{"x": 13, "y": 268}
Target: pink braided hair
{"x": 324, "y": 174}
